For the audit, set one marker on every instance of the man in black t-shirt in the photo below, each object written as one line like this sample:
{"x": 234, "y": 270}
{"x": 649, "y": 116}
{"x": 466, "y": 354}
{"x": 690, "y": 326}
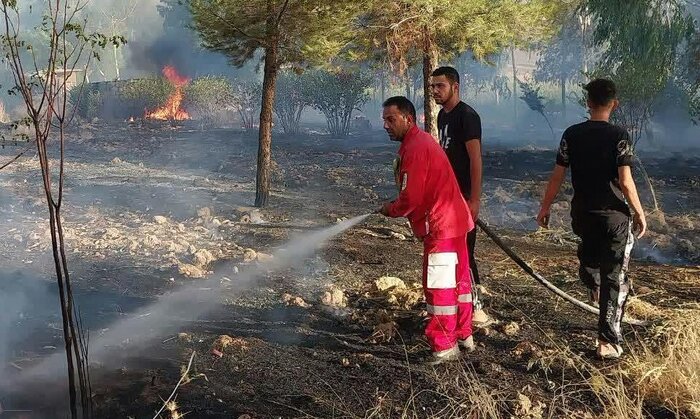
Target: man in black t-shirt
{"x": 600, "y": 157}
{"x": 459, "y": 130}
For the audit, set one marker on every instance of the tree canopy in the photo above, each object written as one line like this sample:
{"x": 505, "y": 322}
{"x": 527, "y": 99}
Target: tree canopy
{"x": 563, "y": 58}
{"x": 640, "y": 41}
{"x": 422, "y": 31}
{"x": 308, "y": 32}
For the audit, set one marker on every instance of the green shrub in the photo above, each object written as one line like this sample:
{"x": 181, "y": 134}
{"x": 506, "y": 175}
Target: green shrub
{"x": 337, "y": 95}
{"x": 291, "y": 99}
{"x": 209, "y": 99}
{"x": 147, "y": 93}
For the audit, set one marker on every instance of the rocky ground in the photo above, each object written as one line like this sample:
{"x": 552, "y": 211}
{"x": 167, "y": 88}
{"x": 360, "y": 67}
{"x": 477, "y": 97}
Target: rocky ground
{"x": 151, "y": 209}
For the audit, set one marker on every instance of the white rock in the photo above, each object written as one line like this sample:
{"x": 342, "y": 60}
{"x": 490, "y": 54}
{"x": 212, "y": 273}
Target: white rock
{"x": 249, "y": 255}
{"x": 335, "y": 297}
{"x": 151, "y": 241}
{"x": 191, "y": 271}
{"x": 203, "y": 257}
{"x": 204, "y": 212}
{"x": 511, "y": 329}
{"x": 386, "y": 282}
{"x": 111, "y": 233}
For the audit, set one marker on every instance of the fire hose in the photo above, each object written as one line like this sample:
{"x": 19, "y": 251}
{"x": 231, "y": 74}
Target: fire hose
{"x": 539, "y": 278}
{"x": 514, "y": 256}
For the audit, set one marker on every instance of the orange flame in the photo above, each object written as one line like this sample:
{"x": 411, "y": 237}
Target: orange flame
{"x": 171, "y": 110}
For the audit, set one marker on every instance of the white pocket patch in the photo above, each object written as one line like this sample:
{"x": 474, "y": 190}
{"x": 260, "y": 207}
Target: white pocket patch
{"x": 442, "y": 270}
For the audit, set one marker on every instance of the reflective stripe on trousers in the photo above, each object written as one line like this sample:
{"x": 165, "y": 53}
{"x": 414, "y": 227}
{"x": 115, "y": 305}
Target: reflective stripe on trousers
{"x": 604, "y": 252}
{"x": 447, "y": 287}
{"x": 442, "y": 310}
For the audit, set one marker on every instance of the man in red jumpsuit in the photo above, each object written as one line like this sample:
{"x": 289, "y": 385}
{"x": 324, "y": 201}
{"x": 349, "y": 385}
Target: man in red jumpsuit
{"x": 430, "y": 198}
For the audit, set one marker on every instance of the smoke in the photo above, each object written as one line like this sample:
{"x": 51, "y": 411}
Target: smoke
{"x": 190, "y": 302}
{"x": 150, "y": 56}
{"x": 24, "y": 302}
{"x": 159, "y": 34}
{"x": 13, "y": 303}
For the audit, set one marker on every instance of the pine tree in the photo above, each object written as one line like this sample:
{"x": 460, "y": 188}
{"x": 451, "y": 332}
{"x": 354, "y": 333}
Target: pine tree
{"x": 295, "y": 33}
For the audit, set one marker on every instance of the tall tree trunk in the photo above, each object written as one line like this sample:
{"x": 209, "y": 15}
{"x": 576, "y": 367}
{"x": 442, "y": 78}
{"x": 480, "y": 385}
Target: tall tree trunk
{"x": 374, "y": 92}
{"x": 262, "y": 184}
{"x": 407, "y": 82}
{"x": 383, "y": 79}
{"x": 74, "y": 356}
{"x": 515, "y": 83}
{"x": 647, "y": 178}
{"x": 563, "y": 98}
{"x": 430, "y": 62}
{"x": 583, "y": 19}
{"x": 496, "y": 90}
{"x": 116, "y": 62}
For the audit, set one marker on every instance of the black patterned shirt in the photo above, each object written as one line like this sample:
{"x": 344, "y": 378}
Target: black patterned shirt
{"x": 594, "y": 150}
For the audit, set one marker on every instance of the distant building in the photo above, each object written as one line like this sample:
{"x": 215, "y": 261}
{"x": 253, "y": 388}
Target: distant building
{"x": 74, "y": 78}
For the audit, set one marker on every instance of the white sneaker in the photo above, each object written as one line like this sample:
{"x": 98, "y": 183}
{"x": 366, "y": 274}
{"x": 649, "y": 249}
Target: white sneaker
{"x": 467, "y": 344}
{"x": 609, "y": 351}
{"x": 440, "y": 357}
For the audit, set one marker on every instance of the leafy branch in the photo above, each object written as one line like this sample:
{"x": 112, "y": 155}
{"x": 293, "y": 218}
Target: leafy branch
{"x": 531, "y": 96}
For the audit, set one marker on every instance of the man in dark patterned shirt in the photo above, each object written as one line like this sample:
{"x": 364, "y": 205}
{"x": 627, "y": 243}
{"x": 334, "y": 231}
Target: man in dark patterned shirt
{"x": 459, "y": 129}
{"x": 600, "y": 157}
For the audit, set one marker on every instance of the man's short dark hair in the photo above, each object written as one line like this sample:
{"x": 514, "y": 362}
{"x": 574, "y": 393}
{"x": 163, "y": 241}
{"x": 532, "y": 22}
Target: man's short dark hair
{"x": 450, "y": 73}
{"x": 600, "y": 92}
{"x": 402, "y": 104}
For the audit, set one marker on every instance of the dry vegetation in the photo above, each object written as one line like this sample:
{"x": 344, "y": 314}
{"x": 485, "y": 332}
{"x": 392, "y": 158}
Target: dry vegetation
{"x": 661, "y": 373}
{"x": 666, "y": 367}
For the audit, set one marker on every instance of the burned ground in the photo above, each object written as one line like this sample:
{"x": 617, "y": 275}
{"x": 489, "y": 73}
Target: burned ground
{"x": 153, "y": 208}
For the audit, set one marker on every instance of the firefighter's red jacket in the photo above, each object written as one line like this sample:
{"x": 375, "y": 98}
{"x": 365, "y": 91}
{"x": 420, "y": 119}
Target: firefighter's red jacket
{"x": 429, "y": 194}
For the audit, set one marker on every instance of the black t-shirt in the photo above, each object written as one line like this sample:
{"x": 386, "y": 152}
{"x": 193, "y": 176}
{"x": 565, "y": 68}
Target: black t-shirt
{"x": 594, "y": 150}
{"x": 455, "y": 128}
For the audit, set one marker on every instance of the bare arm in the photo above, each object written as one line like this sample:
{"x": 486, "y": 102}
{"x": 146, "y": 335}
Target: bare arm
{"x": 629, "y": 189}
{"x": 555, "y": 181}
{"x": 476, "y": 173}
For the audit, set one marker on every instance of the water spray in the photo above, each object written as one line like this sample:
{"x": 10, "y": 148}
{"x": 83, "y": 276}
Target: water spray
{"x": 189, "y": 302}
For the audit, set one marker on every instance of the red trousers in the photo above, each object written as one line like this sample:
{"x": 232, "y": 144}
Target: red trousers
{"x": 447, "y": 287}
